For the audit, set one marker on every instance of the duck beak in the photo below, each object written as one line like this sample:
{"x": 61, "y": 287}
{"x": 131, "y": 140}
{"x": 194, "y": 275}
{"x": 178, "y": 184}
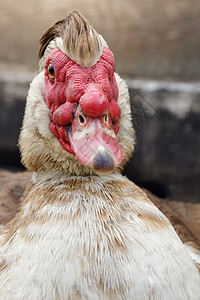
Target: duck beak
{"x": 94, "y": 142}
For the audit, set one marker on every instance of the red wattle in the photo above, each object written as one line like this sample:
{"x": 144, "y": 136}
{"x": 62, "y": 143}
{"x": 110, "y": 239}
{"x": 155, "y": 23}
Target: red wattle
{"x": 63, "y": 114}
{"x": 114, "y": 110}
{"x": 93, "y": 88}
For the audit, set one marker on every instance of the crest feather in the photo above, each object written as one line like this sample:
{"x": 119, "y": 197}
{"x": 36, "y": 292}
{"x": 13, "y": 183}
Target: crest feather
{"x": 80, "y": 42}
{"x": 49, "y": 35}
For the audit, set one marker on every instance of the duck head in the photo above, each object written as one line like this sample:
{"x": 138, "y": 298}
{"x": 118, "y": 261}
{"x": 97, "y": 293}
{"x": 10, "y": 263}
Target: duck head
{"x": 77, "y": 117}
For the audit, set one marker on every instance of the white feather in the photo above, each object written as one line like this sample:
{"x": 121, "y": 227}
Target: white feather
{"x": 72, "y": 251}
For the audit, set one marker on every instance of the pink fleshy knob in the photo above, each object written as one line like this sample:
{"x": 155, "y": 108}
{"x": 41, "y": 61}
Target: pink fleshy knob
{"x": 94, "y": 102}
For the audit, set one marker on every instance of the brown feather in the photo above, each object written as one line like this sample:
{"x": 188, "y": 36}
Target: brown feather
{"x": 81, "y": 42}
{"x": 54, "y": 31}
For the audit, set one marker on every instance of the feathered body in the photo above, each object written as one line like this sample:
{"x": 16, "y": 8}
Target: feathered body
{"x": 79, "y": 235}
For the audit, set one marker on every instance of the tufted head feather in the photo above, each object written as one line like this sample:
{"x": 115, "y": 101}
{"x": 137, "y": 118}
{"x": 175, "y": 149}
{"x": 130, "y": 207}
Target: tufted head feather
{"x": 75, "y": 37}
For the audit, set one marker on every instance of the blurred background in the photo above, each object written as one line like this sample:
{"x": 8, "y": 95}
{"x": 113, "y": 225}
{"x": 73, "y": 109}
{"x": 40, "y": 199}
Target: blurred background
{"x": 156, "y": 46}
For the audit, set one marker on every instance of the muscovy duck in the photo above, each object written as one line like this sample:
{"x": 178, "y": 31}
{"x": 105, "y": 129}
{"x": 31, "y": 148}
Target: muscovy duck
{"x": 84, "y": 231}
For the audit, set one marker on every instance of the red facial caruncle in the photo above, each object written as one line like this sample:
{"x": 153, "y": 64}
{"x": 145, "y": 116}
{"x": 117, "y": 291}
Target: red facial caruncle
{"x": 84, "y": 109}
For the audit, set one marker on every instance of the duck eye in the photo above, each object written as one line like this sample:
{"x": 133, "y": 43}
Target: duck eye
{"x": 51, "y": 72}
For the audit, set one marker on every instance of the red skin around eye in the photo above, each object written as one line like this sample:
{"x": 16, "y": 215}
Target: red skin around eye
{"x": 94, "y": 88}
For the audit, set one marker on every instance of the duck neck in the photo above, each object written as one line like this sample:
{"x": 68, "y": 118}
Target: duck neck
{"x": 56, "y": 178}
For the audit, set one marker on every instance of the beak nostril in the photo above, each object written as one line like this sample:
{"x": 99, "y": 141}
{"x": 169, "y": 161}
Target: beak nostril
{"x": 106, "y": 119}
{"x": 81, "y": 119}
